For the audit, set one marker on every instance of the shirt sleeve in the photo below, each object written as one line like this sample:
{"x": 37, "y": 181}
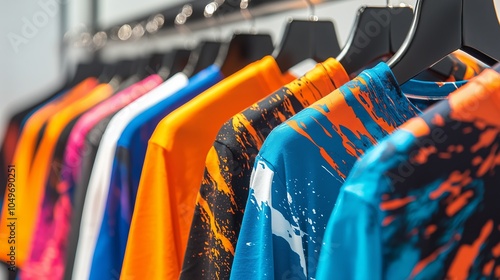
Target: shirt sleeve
{"x": 352, "y": 245}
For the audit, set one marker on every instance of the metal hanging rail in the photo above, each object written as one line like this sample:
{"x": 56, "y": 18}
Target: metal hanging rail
{"x": 193, "y": 15}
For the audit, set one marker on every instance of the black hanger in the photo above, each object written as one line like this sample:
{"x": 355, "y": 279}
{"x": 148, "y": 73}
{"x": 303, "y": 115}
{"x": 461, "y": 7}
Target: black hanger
{"x": 117, "y": 71}
{"x": 378, "y": 32}
{"x": 85, "y": 70}
{"x": 164, "y": 64}
{"x": 242, "y": 50}
{"x": 141, "y": 68}
{"x": 441, "y": 27}
{"x": 155, "y": 62}
{"x": 174, "y": 62}
{"x": 108, "y": 72}
{"x": 305, "y": 39}
{"x": 203, "y": 56}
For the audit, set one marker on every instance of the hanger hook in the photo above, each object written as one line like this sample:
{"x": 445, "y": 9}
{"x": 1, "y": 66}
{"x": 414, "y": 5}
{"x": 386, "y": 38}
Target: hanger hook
{"x": 312, "y": 10}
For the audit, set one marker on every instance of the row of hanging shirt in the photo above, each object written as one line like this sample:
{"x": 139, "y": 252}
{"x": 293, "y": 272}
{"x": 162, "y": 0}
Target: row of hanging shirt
{"x": 184, "y": 177}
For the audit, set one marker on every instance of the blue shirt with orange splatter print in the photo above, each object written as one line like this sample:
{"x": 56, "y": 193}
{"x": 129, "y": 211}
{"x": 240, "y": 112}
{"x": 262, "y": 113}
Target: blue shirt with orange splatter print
{"x": 302, "y": 165}
{"x": 423, "y": 204}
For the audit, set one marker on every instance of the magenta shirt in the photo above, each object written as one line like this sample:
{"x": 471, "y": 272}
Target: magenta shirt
{"x": 48, "y": 253}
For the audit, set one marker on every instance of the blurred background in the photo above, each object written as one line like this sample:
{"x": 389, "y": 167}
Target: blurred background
{"x": 30, "y": 67}
{"x": 34, "y": 58}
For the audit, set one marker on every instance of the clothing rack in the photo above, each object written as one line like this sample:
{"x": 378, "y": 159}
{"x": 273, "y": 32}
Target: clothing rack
{"x": 192, "y": 15}
{"x": 229, "y": 161}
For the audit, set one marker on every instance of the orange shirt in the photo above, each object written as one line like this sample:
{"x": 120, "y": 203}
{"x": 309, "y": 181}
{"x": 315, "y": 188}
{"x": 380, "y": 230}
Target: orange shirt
{"x": 174, "y": 165}
{"x": 26, "y": 146}
{"x": 25, "y": 150}
{"x": 30, "y": 190}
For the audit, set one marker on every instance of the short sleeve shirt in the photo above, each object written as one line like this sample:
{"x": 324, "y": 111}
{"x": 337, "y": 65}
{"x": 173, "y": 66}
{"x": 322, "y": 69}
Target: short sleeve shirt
{"x": 423, "y": 203}
{"x": 301, "y": 167}
{"x": 224, "y": 189}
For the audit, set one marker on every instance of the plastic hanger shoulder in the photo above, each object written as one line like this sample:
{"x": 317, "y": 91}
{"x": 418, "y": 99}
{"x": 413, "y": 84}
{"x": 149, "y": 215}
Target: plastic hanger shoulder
{"x": 155, "y": 62}
{"x": 86, "y": 70}
{"x": 401, "y": 20}
{"x": 481, "y": 30}
{"x": 203, "y": 56}
{"x": 125, "y": 69}
{"x": 304, "y": 39}
{"x": 177, "y": 61}
{"x": 377, "y": 32}
{"x": 400, "y": 26}
{"x": 437, "y": 31}
{"x": 141, "y": 68}
{"x": 173, "y": 62}
{"x": 242, "y": 50}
